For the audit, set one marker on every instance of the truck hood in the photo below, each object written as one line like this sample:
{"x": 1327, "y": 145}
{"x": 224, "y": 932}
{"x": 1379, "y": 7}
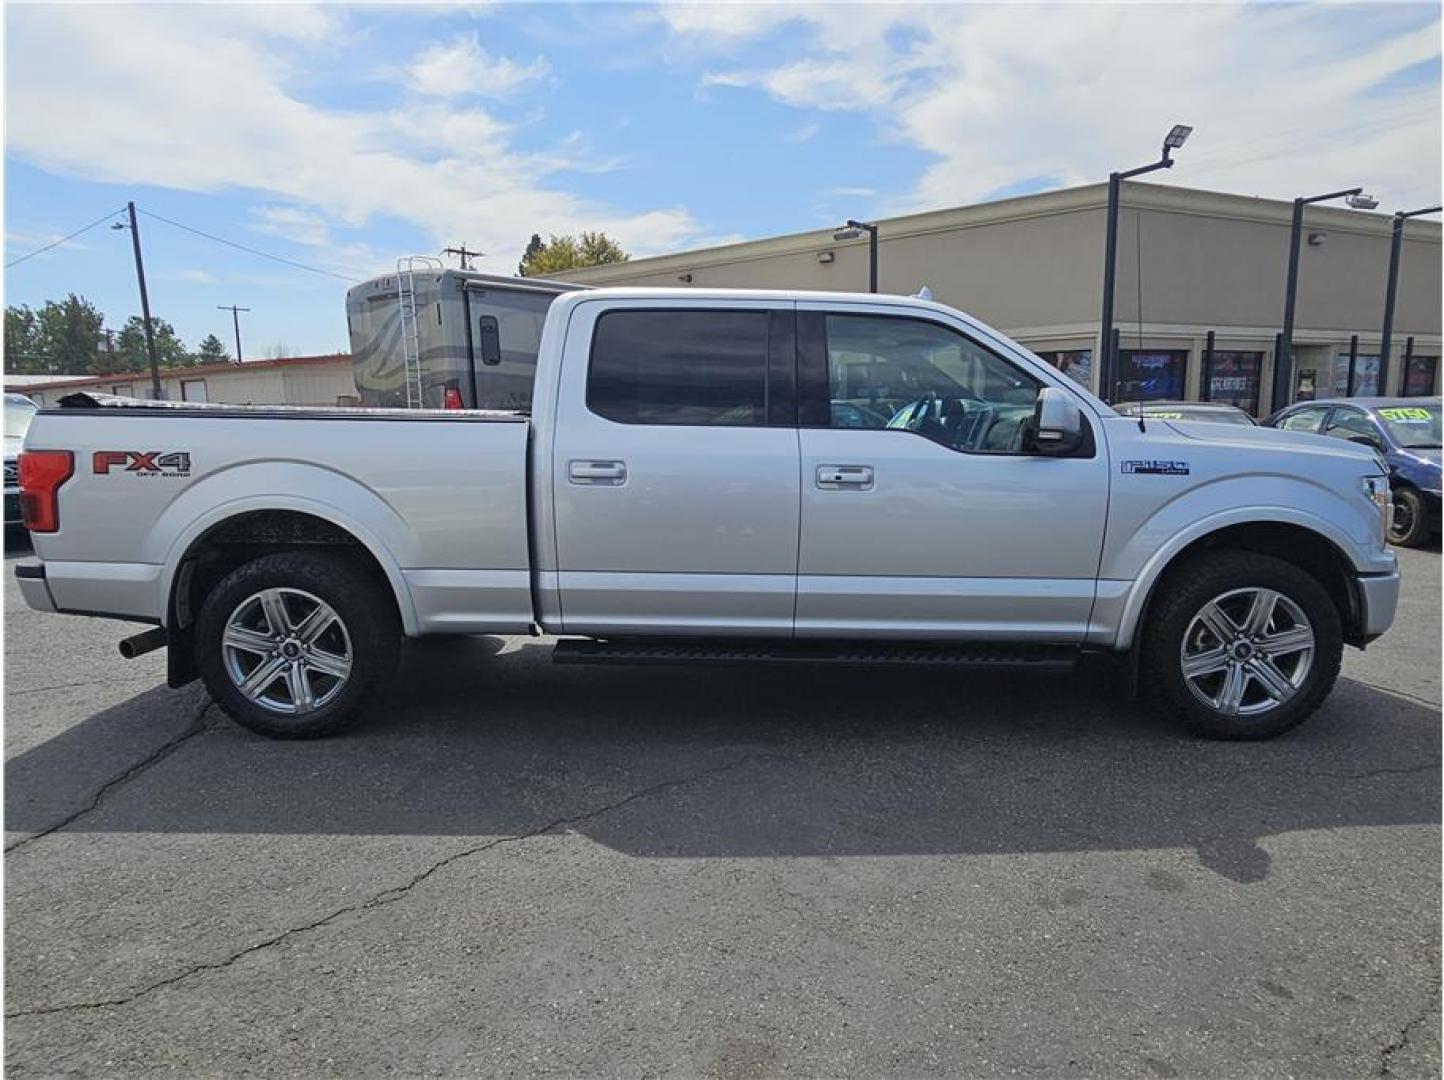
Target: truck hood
{"x": 1264, "y": 439}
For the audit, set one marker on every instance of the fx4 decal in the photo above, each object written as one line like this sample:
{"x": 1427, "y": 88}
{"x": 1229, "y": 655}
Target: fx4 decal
{"x": 142, "y": 462}
{"x": 1157, "y": 468}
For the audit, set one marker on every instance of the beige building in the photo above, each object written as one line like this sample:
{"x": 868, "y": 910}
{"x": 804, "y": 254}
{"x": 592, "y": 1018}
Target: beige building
{"x": 1189, "y": 262}
{"x": 295, "y": 380}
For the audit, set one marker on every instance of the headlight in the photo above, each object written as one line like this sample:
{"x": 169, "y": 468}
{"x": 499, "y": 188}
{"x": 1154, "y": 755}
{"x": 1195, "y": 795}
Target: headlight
{"x": 1376, "y": 490}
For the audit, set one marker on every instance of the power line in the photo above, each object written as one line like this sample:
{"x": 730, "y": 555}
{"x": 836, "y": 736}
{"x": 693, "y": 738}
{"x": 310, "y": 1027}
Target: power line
{"x": 251, "y": 250}
{"x": 64, "y": 239}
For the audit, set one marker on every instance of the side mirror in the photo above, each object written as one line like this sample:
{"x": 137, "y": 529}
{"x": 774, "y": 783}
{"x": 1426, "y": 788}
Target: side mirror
{"x": 1057, "y": 423}
{"x": 1366, "y": 440}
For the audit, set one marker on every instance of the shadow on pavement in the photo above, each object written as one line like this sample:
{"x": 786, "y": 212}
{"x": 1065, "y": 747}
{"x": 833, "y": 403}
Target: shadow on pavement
{"x": 678, "y": 762}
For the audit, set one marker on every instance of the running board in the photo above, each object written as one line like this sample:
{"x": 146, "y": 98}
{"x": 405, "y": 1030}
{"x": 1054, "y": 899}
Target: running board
{"x": 964, "y": 656}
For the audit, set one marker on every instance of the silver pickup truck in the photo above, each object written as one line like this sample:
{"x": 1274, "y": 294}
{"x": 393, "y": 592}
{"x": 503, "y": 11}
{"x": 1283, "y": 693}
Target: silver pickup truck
{"x": 724, "y": 476}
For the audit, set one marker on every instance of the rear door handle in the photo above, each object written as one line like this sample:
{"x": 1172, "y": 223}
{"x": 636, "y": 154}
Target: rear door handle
{"x": 844, "y": 477}
{"x": 603, "y": 473}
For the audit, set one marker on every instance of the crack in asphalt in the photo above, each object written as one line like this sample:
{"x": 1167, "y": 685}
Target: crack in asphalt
{"x": 1401, "y": 1040}
{"x": 195, "y": 727}
{"x": 1394, "y": 692}
{"x": 83, "y": 682}
{"x": 394, "y": 893}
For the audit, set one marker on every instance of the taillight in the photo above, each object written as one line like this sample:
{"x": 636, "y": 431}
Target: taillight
{"x": 452, "y": 400}
{"x": 41, "y": 474}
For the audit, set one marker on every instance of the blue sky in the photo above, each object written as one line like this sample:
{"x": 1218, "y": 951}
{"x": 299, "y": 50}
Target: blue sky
{"x": 344, "y": 136}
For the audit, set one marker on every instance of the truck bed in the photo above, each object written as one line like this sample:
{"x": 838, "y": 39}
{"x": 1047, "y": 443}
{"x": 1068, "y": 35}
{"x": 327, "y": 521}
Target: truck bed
{"x": 440, "y": 496}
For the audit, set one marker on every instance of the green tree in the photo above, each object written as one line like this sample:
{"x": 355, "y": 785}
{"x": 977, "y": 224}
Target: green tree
{"x": 170, "y": 351}
{"x": 568, "y": 253}
{"x": 69, "y": 335}
{"x": 22, "y": 341}
{"x": 211, "y": 351}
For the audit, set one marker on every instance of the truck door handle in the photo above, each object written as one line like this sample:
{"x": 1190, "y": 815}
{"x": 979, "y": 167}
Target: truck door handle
{"x": 844, "y": 477}
{"x": 597, "y": 472}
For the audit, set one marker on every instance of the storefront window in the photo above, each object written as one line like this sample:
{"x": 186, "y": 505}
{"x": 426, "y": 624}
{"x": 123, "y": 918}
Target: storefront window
{"x": 1366, "y": 375}
{"x": 1419, "y": 376}
{"x": 1155, "y": 375}
{"x": 1234, "y": 380}
{"x": 1077, "y": 364}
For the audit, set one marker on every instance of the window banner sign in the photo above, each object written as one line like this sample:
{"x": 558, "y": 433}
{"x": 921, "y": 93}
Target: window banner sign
{"x": 1366, "y": 375}
{"x": 1151, "y": 376}
{"x": 1235, "y": 379}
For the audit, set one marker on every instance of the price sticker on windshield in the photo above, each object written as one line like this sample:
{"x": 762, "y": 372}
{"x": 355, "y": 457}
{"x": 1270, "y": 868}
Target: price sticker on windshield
{"x": 1407, "y": 415}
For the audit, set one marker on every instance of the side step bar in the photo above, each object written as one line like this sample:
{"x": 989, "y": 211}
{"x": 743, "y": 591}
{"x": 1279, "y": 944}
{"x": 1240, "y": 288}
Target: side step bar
{"x": 965, "y": 656}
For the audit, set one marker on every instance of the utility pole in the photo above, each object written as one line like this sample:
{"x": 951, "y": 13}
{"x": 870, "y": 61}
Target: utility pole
{"x": 235, "y": 319}
{"x": 144, "y": 301}
{"x": 463, "y": 254}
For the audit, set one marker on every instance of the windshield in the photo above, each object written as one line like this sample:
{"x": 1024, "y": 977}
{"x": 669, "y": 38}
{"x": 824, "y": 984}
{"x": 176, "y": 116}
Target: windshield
{"x": 1414, "y": 427}
{"x": 18, "y": 411}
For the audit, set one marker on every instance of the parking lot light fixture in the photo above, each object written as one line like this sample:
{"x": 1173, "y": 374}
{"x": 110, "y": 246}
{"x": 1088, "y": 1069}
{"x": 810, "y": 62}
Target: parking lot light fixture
{"x": 1107, "y": 377}
{"x": 1396, "y": 246}
{"x": 1283, "y": 361}
{"x": 851, "y": 231}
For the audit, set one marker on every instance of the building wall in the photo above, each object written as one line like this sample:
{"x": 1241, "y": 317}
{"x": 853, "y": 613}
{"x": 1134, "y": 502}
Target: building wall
{"x": 306, "y": 383}
{"x": 1032, "y": 266}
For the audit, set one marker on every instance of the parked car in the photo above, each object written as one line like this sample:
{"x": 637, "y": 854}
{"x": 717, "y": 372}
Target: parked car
{"x": 1216, "y": 412}
{"x": 1405, "y": 432}
{"x": 682, "y": 492}
{"x": 18, "y": 411}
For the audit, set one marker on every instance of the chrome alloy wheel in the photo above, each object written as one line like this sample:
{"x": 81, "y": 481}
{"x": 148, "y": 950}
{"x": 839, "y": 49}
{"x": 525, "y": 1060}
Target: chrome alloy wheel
{"x": 1247, "y": 651}
{"x": 286, "y": 650}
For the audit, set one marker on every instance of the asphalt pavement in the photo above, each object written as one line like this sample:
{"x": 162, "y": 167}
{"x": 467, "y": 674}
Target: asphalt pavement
{"x": 520, "y": 869}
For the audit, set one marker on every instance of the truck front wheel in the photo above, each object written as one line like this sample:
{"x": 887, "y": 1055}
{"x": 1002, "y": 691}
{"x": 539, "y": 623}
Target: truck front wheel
{"x": 1241, "y": 645}
{"x": 291, "y": 645}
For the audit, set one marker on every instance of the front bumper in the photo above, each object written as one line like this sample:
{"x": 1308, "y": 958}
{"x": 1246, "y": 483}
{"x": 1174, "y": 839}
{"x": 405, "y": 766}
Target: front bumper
{"x": 1378, "y": 599}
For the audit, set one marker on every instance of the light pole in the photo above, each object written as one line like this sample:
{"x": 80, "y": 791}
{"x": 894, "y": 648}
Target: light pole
{"x": 144, "y": 300}
{"x": 1391, "y": 290}
{"x": 1176, "y": 137}
{"x": 1283, "y": 362}
{"x": 851, "y": 231}
{"x": 236, "y": 321}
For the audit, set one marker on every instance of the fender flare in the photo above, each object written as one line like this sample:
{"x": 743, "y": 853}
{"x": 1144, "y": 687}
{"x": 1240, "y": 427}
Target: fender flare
{"x": 223, "y": 512}
{"x": 1142, "y": 588}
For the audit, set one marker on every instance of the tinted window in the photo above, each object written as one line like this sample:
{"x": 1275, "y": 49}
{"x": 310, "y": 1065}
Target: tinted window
{"x": 1150, "y": 375}
{"x": 680, "y": 367}
{"x": 1234, "y": 379}
{"x": 1304, "y": 419}
{"x": 1419, "y": 376}
{"x": 923, "y": 377}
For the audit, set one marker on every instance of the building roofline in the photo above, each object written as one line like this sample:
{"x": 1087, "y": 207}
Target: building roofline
{"x": 1161, "y": 197}
{"x": 77, "y": 383}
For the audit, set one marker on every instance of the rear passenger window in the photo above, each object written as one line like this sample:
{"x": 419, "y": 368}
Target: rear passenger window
{"x": 680, "y": 367}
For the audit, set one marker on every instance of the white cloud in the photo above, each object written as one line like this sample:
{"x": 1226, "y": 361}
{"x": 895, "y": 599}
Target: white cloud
{"x": 464, "y": 67}
{"x": 200, "y": 99}
{"x": 1284, "y": 98}
{"x": 805, "y": 133}
{"x": 193, "y": 276}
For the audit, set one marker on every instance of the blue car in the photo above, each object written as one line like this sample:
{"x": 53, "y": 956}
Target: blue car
{"x": 1405, "y": 432}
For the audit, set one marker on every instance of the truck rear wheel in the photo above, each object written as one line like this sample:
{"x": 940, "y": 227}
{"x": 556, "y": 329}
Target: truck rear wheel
{"x": 1241, "y": 645}
{"x": 291, "y": 645}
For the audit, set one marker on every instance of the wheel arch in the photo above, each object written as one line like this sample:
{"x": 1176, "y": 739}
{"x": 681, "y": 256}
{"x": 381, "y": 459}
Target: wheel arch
{"x": 231, "y": 535}
{"x": 1309, "y": 548}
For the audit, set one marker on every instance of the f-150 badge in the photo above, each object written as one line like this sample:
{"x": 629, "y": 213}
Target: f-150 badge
{"x": 1157, "y": 468}
{"x": 142, "y": 462}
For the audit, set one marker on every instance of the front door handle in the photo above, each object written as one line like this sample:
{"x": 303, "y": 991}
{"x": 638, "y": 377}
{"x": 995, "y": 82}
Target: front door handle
{"x": 597, "y": 472}
{"x": 844, "y": 477}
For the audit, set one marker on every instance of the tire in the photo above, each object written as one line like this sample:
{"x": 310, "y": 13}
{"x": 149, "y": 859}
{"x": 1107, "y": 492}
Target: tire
{"x": 342, "y": 659}
{"x": 1283, "y": 680}
{"x": 1409, "y": 523}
